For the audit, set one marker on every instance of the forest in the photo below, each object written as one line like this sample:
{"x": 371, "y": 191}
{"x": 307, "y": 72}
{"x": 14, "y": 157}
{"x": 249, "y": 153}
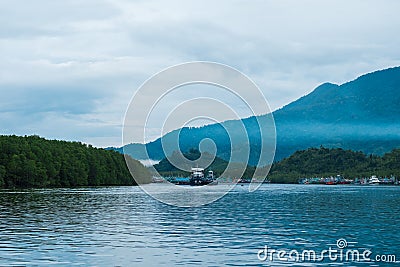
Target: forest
{"x": 325, "y": 162}
{"x": 312, "y": 162}
{"x": 34, "y": 162}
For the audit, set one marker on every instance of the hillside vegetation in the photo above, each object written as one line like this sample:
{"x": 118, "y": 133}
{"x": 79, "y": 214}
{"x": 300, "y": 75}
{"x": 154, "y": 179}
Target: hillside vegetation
{"x": 32, "y": 162}
{"x": 325, "y": 162}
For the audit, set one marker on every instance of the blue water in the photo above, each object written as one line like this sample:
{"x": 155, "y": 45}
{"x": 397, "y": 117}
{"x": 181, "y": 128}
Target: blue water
{"x": 122, "y": 226}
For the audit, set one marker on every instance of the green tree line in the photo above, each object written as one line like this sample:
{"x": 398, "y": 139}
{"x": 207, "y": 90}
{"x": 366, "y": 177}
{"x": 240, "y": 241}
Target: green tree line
{"x": 324, "y": 162}
{"x": 34, "y": 162}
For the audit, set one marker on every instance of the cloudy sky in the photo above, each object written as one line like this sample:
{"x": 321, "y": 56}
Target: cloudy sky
{"x": 68, "y": 69}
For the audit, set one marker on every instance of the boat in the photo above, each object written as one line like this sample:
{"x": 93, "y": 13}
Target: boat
{"x": 197, "y": 177}
{"x": 244, "y": 181}
{"x": 331, "y": 181}
{"x": 364, "y": 181}
{"x": 267, "y": 181}
{"x": 211, "y": 178}
{"x": 374, "y": 180}
{"x": 156, "y": 179}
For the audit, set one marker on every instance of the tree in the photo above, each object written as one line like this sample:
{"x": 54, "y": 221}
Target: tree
{"x": 32, "y": 161}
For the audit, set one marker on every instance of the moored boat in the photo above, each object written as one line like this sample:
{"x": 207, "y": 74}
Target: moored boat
{"x": 197, "y": 177}
{"x": 331, "y": 182}
{"x": 211, "y": 179}
{"x": 244, "y": 181}
{"x": 374, "y": 180}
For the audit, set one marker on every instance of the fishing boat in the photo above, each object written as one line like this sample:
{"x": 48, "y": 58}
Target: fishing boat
{"x": 364, "y": 181}
{"x": 244, "y": 181}
{"x": 198, "y": 178}
{"x": 331, "y": 181}
{"x": 211, "y": 179}
{"x": 374, "y": 180}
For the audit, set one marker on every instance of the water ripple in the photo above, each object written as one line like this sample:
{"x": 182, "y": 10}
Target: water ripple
{"x": 123, "y": 226}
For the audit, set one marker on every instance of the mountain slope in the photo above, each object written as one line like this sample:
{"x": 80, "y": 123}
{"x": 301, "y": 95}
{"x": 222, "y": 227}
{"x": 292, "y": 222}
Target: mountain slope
{"x": 373, "y": 97}
{"x": 362, "y": 114}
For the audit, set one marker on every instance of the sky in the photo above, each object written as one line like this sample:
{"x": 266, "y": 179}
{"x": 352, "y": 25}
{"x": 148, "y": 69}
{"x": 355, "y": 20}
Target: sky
{"x": 69, "y": 69}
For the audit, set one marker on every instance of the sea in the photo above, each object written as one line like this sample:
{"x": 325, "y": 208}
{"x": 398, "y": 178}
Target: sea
{"x": 276, "y": 225}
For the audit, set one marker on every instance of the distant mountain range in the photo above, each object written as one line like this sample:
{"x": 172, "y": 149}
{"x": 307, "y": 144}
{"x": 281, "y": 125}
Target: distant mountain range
{"x": 362, "y": 115}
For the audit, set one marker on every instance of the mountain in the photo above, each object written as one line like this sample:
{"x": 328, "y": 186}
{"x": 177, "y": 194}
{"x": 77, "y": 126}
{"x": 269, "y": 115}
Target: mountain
{"x": 191, "y": 138}
{"x": 373, "y": 97}
{"x": 361, "y": 115}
